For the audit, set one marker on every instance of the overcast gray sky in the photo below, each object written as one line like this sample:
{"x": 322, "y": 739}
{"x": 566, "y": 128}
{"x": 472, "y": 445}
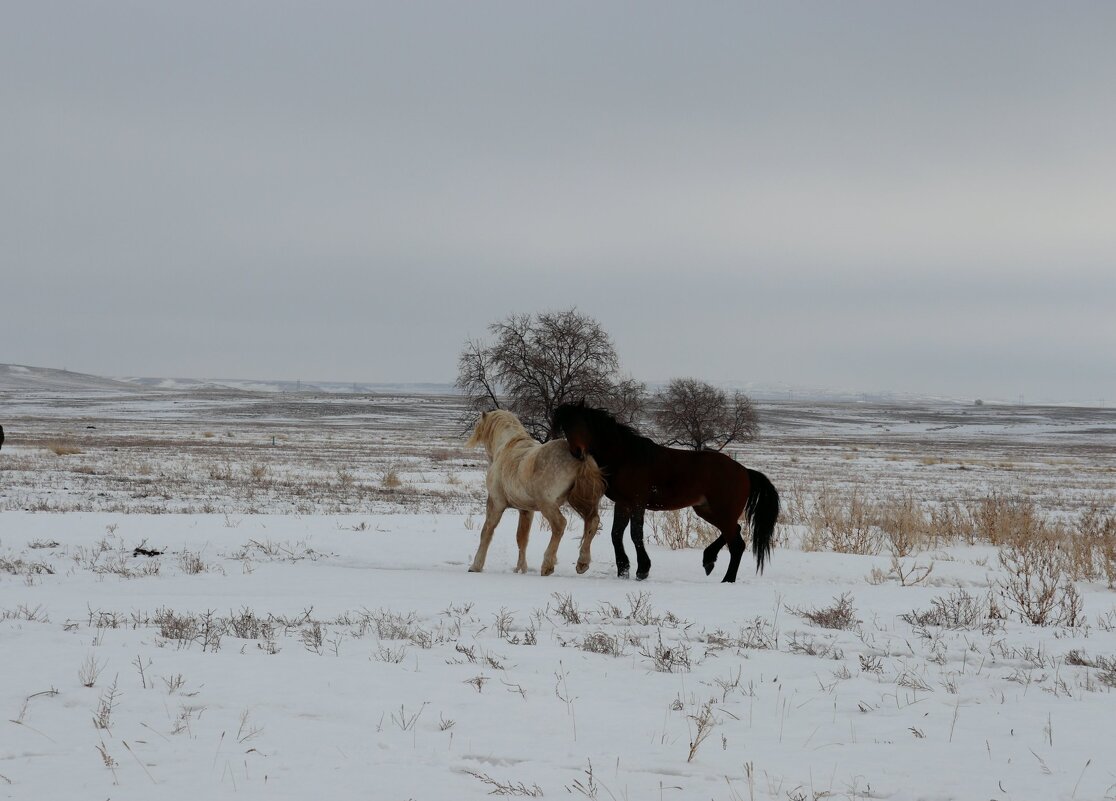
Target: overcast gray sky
{"x": 912, "y": 197}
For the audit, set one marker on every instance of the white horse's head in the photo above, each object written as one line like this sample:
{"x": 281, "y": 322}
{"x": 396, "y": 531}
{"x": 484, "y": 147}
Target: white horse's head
{"x": 494, "y": 430}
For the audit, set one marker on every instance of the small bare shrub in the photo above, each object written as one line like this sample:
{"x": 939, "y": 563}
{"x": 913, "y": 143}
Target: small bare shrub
{"x": 390, "y": 478}
{"x": 173, "y": 626}
{"x": 394, "y": 656}
{"x": 842, "y": 521}
{"x": 506, "y": 788}
{"x": 999, "y": 520}
{"x": 905, "y": 526}
{"x": 246, "y": 625}
{"x": 61, "y": 447}
{"x": 191, "y": 563}
{"x": 34, "y": 614}
{"x": 21, "y": 567}
{"x": 566, "y": 608}
{"x": 958, "y": 610}
{"x": 1092, "y": 546}
{"x": 600, "y": 642}
{"x": 1105, "y": 666}
{"x": 503, "y": 620}
{"x": 258, "y": 473}
{"x": 668, "y": 659}
{"x": 89, "y": 671}
{"x": 907, "y": 575}
{"x": 1037, "y": 587}
{"x": 813, "y": 646}
{"x": 841, "y": 615}
{"x": 951, "y": 522}
{"x": 681, "y": 528}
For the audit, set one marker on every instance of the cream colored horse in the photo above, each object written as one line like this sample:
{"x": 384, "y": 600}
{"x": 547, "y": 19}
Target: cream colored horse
{"x": 524, "y": 475}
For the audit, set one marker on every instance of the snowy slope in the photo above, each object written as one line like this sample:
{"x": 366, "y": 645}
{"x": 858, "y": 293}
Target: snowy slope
{"x": 389, "y": 672}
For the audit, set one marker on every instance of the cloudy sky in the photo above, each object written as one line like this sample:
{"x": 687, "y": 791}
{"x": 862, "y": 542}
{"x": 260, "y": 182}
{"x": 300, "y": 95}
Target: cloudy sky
{"x": 897, "y": 196}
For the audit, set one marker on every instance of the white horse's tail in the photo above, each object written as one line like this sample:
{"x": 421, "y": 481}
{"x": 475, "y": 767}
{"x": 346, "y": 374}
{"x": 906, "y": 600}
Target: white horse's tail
{"x": 588, "y": 487}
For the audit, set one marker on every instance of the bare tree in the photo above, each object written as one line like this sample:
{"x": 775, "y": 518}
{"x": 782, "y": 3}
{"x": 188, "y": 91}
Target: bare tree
{"x": 476, "y": 378}
{"x": 698, "y": 415}
{"x": 627, "y": 400}
{"x": 537, "y": 362}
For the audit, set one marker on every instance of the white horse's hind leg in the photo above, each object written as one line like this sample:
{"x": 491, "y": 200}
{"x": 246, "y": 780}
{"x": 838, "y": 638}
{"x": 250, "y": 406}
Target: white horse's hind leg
{"x": 557, "y": 523}
{"x": 592, "y": 525}
{"x": 521, "y": 536}
{"x": 493, "y": 512}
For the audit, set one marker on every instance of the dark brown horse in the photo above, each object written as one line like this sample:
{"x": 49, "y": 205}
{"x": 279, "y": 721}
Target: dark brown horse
{"x": 642, "y": 475}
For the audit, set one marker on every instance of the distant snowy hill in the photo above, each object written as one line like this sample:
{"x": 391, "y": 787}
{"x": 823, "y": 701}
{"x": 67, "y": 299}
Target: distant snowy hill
{"x": 20, "y": 378}
{"x": 250, "y": 385}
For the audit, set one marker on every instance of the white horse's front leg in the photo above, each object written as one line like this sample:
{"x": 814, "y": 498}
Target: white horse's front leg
{"x": 493, "y": 512}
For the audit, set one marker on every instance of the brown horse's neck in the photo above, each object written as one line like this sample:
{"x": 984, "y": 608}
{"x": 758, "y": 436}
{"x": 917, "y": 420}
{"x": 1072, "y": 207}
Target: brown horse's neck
{"x": 612, "y": 454}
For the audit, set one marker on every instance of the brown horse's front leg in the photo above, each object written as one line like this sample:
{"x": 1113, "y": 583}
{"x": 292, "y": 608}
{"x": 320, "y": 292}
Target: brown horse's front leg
{"x": 643, "y": 561}
{"x": 709, "y": 555}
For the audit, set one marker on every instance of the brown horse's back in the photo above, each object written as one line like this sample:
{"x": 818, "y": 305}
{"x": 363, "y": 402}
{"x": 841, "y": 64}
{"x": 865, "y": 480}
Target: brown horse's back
{"x": 671, "y": 478}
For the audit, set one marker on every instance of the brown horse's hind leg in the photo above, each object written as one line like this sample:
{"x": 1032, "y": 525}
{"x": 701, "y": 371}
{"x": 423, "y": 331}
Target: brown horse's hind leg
{"x": 736, "y": 550}
{"x": 620, "y": 518}
{"x": 522, "y": 534}
{"x": 709, "y": 555}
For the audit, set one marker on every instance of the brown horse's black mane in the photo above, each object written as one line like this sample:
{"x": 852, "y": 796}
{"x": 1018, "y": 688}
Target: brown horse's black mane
{"x": 602, "y": 423}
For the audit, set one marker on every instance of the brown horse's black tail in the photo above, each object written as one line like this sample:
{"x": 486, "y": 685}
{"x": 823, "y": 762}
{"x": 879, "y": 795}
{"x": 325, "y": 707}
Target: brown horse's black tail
{"x": 762, "y": 511}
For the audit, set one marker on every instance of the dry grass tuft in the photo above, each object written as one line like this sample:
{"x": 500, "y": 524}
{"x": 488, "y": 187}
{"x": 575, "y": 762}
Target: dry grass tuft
{"x": 681, "y": 528}
{"x": 62, "y": 447}
{"x": 958, "y": 610}
{"x": 841, "y": 615}
{"x": 842, "y": 521}
{"x": 1105, "y": 666}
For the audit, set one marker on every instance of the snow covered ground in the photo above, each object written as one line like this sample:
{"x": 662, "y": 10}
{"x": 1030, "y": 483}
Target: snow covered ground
{"x": 310, "y": 630}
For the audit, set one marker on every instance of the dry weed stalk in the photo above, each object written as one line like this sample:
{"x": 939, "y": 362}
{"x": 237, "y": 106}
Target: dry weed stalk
{"x": 703, "y": 723}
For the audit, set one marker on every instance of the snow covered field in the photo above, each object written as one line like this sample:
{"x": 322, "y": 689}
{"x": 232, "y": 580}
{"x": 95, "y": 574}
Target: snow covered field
{"x": 310, "y": 630}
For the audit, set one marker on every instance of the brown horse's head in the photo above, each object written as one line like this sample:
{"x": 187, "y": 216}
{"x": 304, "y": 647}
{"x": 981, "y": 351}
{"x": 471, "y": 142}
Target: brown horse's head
{"x": 572, "y": 425}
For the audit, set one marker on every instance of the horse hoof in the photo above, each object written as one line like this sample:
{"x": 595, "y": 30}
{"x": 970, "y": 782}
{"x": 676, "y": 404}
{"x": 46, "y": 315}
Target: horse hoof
{"x": 581, "y": 568}
{"x": 708, "y": 567}
{"x": 642, "y": 574}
